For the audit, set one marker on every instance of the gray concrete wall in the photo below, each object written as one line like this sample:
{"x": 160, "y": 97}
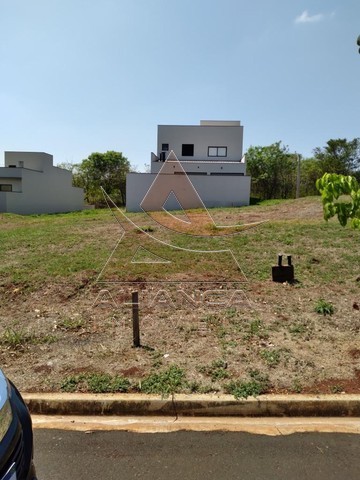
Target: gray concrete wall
{"x": 215, "y": 191}
{"x": 46, "y": 193}
{"x": 44, "y": 188}
{"x": 32, "y": 160}
{"x": 202, "y": 136}
{"x": 16, "y": 183}
{"x": 208, "y": 167}
{"x": 2, "y": 202}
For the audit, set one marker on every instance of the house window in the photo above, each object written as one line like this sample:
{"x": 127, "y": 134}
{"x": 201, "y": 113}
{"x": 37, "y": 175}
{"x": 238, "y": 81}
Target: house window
{"x": 187, "y": 150}
{"x": 165, "y": 147}
{"x": 217, "y": 151}
{"x": 5, "y": 188}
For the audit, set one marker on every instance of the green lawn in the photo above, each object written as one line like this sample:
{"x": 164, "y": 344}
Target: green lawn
{"x": 47, "y": 248}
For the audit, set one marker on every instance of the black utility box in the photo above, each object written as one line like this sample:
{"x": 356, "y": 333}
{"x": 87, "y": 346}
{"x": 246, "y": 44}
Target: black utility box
{"x": 283, "y": 273}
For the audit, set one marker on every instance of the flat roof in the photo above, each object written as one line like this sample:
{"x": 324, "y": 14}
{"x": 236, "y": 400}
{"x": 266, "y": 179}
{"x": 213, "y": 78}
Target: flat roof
{"x": 220, "y": 123}
{"x": 210, "y": 123}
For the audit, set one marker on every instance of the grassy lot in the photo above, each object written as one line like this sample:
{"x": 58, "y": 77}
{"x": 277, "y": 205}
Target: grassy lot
{"x": 46, "y": 248}
{"x": 65, "y": 319}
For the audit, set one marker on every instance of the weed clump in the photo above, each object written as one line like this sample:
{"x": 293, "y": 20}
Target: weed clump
{"x": 258, "y": 384}
{"x": 17, "y": 339}
{"x": 323, "y": 307}
{"x": 95, "y": 383}
{"x": 166, "y": 383}
{"x": 216, "y": 370}
{"x": 271, "y": 357}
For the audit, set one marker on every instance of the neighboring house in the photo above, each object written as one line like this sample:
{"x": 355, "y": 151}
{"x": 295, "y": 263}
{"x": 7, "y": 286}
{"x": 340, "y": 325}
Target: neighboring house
{"x": 211, "y": 155}
{"x": 29, "y": 183}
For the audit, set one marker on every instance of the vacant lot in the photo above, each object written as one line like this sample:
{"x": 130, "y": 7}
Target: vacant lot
{"x": 206, "y": 324}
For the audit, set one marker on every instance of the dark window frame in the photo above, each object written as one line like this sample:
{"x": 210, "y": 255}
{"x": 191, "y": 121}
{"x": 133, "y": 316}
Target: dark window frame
{"x": 186, "y": 148}
{"x": 164, "y": 147}
{"x": 217, "y": 151}
{"x": 8, "y": 189}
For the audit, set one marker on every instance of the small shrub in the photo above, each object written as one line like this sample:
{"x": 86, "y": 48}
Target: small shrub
{"x": 95, "y": 383}
{"x": 208, "y": 389}
{"x": 194, "y": 387}
{"x": 297, "y": 329}
{"x": 217, "y": 370}
{"x": 103, "y": 383}
{"x": 296, "y": 386}
{"x": 262, "y": 378}
{"x": 244, "y": 389}
{"x": 258, "y": 384}
{"x": 336, "y": 389}
{"x": 70, "y": 324}
{"x": 165, "y": 383}
{"x": 256, "y": 329}
{"x": 323, "y": 307}
{"x": 271, "y": 357}
{"x": 70, "y": 384}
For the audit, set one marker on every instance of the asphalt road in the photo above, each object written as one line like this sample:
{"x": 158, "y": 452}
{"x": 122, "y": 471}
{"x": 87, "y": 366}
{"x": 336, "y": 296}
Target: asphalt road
{"x": 116, "y": 455}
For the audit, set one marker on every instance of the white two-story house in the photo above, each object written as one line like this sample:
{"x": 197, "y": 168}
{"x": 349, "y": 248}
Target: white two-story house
{"x": 210, "y": 154}
{"x": 30, "y": 184}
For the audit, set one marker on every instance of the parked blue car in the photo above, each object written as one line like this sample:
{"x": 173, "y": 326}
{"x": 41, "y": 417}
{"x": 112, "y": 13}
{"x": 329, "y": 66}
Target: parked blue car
{"x": 16, "y": 437}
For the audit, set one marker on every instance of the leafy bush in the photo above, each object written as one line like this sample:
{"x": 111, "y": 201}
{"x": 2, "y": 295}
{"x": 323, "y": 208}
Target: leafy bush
{"x": 165, "y": 383}
{"x": 258, "y": 384}
{"x": 95, "y": 383}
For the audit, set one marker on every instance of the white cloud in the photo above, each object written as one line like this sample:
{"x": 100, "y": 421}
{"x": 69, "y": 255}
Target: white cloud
{"x": 306, "y": 18}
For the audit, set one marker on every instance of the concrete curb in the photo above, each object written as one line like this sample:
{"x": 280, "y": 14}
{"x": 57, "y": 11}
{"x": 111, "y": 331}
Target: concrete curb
{"x": 342, "y": 405}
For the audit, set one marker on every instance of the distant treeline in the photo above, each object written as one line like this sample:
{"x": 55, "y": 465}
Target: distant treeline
{"x": 274, "y": 169}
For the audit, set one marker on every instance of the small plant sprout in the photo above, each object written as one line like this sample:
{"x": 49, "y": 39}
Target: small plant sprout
{"x": 323, "y": 307}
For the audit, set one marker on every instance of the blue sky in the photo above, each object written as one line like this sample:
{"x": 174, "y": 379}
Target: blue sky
{"x": 79, "y": 76}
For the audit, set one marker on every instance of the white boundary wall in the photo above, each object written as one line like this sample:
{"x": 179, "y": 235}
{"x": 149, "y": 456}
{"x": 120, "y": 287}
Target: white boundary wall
{"x": 214, "y": 190}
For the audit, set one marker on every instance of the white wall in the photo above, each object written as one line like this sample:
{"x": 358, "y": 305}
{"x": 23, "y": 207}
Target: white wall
{"x": 46, "y": 191}
{"x": 202, "y": 137}
{"x": 215, "y": 191}
{"x": 32, "y": 160}
{"x": 207, "y": 167}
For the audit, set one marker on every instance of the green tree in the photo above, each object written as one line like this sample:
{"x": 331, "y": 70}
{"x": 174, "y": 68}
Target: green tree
{"x": 66, "y": 166}
{"x": 332, "y": 187}
{"x": 273, "y": 171}
{"x": 107, "y": 170}
{"x": 310, "y": 169}
{"x": 339, "y": 156}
